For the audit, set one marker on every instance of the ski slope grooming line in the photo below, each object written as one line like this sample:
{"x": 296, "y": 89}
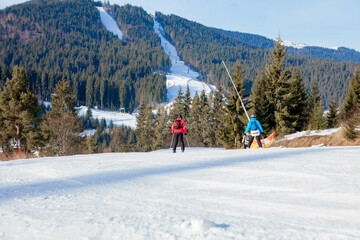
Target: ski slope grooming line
{"x": 276, "y": 193}
{"x": 110, "y": 23}
{"x": 180, "y": 75}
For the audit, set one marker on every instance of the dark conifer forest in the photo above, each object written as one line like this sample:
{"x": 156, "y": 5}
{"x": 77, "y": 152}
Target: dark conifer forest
{"x": 55, "y": 38}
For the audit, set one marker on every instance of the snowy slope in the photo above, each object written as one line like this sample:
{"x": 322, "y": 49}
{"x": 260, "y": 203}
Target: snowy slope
{"x": 311, "y": 133}
{"x": 307, "y": 193}
{"x": 297, "y": 45}
{"x": 118, "y": 118}
{"x": 180, "y": 74}
{"x": 110, "y": 23}
{"x": 293, "y": 44}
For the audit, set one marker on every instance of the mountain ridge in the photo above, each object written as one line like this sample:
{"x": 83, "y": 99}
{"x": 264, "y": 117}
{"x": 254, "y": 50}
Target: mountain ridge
{"x": 340, "y": 54}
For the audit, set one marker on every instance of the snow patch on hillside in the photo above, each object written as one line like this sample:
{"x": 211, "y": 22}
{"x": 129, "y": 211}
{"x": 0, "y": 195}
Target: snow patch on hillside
{"x": 180, "y": 75}
{"x": 293, "y": 44}
{"x": 118, "y": 118}
{"x": 297, "y": 45}
{"x": 110, "y": 23}
{"x": 324, "y": 132}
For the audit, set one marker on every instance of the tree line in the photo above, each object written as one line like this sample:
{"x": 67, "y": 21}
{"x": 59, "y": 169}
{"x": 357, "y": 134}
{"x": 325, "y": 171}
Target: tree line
{"x": 278, "y": 98}
{"x": 27, "y": 125}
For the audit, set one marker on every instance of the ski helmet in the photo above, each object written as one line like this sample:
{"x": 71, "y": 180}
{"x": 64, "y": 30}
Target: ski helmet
{"x": 180, "y": 116}
{"x": 253, "y": 115}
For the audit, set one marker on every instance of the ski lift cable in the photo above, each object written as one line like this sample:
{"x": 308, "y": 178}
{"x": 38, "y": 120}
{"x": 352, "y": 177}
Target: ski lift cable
{"x": 236, "y": 91}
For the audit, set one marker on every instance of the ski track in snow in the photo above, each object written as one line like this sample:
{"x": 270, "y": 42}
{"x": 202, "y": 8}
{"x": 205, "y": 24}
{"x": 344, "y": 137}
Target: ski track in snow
{"x": 180, "y": 75}
{"x": 109, "y": 23}
{"x": 276, "y": 193}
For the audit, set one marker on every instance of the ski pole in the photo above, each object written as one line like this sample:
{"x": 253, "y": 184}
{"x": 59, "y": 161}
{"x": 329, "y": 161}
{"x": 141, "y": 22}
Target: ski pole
{"x": 187, "y": 141}
{"x": 236, "y": 91}
{"x": 172, "y": 138}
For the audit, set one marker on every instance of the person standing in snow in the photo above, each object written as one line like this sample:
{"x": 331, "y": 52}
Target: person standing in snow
{"x": 178, "y": 129}
{"x": 256, "y": 131}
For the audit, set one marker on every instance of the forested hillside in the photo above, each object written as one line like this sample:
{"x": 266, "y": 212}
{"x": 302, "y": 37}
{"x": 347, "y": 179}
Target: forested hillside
{"x": 52, "y": 39}
{"x": 341, "y": 54}
{"x": 205, "y": 48}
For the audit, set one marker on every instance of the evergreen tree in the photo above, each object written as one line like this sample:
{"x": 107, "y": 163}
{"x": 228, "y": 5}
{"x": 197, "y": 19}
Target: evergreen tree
{"x": 277, "y": 76}
{"x": 352, "y": 101}
{"x": 162, "y": 128}
{"x": 111, "y": 126}
{"x": 92, "y": 144}
{"x": 178, "y": 106}
{"x": 234, "y": 119}
{"x": 210, "y": 137}
{"x": 217, "y": 111}
{"x": 350, "y": 112}
{"x": 350, "y": 133}
{"x": 62, "y": 123}
{"x": 102, "y": 125}
{"x": 205, "y": 126}
{"x": 145, "y": 128}
{"x": 187, "y": 102}
{"x": 262, "y": 107}
{"x": 193, "y": 125}
{"x": 297, "y": 104}
{"x": 317, "y": 121}
{"x": 332, "y": 116}
{"x": 314, "y": 98}
{"x": 19, "y": 114}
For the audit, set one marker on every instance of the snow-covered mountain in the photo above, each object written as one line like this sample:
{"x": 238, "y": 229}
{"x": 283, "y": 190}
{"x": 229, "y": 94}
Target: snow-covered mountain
{"x": 180, "y": 75}
{"x": 277, "y": 193}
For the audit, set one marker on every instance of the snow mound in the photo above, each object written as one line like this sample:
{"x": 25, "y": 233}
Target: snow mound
{"x": 310, "y": 133}
{"x": 199, "y": 225}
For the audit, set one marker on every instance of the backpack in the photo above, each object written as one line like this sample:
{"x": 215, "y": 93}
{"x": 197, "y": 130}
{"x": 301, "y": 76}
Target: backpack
{"x": 253, "y": 126}
{"x": 177, "y": 124}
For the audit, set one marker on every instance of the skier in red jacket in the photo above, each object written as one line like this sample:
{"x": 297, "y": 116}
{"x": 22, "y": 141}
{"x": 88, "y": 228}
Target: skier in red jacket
{"x": 178, "y": 129}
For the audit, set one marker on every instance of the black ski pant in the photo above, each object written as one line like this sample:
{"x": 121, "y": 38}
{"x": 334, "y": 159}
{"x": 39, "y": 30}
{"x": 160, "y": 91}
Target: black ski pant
{"x": 257, "y": 139}
{"x": 176, "y": 137}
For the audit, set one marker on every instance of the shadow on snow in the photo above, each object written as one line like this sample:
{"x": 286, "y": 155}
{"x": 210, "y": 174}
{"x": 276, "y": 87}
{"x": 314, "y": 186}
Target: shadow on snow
{"x": 57, "y": 186}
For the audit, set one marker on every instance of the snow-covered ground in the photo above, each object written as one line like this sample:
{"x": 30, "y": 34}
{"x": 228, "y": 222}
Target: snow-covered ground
{"x": 180, "y": 75}
{"x": 310, "y": 133}
{"x": 118, "y": 118}
{"x": 110, "y": 23}
{"x": 288, "y": 43}
{"x": 293, "y": 44}
{"x": 276, "y": 193}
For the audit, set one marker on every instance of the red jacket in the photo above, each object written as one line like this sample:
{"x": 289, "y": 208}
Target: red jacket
{"x": 181, "y": 130}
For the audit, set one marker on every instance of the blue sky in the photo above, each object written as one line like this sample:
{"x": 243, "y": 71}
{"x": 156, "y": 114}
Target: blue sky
{"x": 327, "y": 23}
